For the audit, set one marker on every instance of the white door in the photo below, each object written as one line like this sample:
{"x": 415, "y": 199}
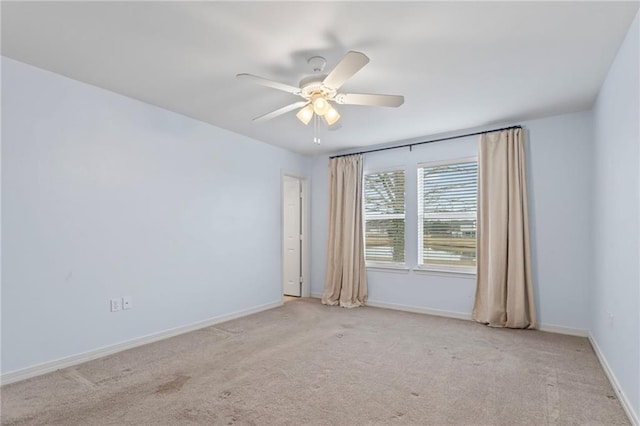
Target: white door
{"x": 292, "y": 273}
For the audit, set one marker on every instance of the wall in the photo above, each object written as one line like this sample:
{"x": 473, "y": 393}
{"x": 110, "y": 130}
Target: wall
{"x": 559, "y": 160}
{"x": 104, "y": 196}
{"x": 615, "y": 296}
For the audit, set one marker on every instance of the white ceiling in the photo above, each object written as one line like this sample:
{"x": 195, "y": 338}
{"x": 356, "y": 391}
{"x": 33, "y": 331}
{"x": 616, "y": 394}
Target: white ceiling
{"x": 459, "y": 65}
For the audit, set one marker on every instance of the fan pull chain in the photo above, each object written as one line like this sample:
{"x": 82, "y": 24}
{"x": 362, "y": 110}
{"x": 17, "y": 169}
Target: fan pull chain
{"x": 316, "y": 138}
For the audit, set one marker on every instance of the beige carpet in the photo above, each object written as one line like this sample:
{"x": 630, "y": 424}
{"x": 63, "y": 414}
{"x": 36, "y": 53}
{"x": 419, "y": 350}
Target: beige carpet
{"x": 305, "y": 363}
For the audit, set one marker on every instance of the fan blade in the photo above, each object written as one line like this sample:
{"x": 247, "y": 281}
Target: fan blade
{"x": 270, "y": 83}
{"x": 367, "y": 99}
{"x": 280, "y": 111}
{"x": 346, "y": 68}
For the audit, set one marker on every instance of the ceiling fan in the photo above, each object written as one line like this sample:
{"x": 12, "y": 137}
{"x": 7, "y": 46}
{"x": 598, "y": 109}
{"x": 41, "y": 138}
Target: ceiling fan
{"x": 319, "y": 91}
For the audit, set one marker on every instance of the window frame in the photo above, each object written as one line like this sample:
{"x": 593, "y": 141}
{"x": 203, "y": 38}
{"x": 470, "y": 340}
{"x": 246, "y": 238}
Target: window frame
{"x": 449, "y": 269}
{"x": 385, "y": 265}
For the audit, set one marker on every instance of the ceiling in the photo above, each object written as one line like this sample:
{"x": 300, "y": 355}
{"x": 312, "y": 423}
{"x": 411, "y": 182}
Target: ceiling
{"x": 458, "y": 64}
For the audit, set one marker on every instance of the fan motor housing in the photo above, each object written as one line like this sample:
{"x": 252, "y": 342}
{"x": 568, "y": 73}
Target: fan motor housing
{"x": 312, "y": 85}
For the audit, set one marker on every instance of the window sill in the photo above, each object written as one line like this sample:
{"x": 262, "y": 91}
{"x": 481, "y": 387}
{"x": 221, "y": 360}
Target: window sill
{"x": 445, "y": 273}
{"x": 394, "y": 269}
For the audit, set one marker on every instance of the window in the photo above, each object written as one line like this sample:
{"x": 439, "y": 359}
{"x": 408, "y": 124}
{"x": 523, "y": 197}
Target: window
{"x": 447, "y": 200}
{"x": 384, "y": 217}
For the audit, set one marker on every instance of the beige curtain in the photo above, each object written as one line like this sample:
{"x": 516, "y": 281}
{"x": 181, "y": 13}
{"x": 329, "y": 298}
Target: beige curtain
{"x": 346, "y": 279}
{"x": 504, "y": 293}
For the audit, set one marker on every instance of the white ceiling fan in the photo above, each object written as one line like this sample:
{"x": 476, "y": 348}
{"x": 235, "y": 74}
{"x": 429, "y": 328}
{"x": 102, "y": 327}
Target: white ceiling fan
{"x": 319, "y": 91}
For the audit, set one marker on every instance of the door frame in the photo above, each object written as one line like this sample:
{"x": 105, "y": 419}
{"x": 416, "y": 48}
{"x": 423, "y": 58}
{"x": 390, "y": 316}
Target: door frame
{"x": 305, "y": 186}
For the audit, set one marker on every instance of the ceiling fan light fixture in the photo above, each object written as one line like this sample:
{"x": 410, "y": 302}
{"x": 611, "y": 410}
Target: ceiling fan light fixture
{"x": 331, "y": 116}
{"x": 320, "y": 91}
{"x": 305, "y": 114}
{"x": 320, "y": 104}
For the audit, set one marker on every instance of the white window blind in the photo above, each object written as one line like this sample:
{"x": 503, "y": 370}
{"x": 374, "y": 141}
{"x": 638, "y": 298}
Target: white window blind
{"x": 384, "y": 213}
{"x": 447, "y": 203}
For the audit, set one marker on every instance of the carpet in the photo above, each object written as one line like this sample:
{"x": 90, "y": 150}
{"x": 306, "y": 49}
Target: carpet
{"x": 305, "y": 363}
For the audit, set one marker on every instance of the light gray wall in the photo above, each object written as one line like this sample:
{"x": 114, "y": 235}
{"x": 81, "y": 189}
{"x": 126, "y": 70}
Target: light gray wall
{"x": 615, "y": 296}
{"x": 559, "y": 162}
{"x": 104, "y": 196}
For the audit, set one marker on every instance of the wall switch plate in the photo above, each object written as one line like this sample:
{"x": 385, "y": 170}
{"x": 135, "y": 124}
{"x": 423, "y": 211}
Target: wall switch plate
{"x": 116, "y": 305}
{"x": 127, "y": 302}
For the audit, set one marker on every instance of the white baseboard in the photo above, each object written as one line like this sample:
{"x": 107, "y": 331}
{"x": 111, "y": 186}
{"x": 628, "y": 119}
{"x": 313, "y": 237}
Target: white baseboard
{"x": 626, "y": 404}
{"x": 561, "y": 329}
{"x": 549, "y": 328}
{"x": 419, "y": 310}
{"x": 47, "y": 367}
{"x": 409, "y": 308}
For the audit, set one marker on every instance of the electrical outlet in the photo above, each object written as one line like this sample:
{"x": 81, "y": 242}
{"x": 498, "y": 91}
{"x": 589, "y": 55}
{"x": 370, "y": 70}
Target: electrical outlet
{"x": 127, "y": 302}
{"x": 116, "y": 305}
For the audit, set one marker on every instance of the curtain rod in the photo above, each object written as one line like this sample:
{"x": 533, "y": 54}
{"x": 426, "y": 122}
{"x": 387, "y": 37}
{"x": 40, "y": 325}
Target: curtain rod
{"x": 411, "y": 145}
